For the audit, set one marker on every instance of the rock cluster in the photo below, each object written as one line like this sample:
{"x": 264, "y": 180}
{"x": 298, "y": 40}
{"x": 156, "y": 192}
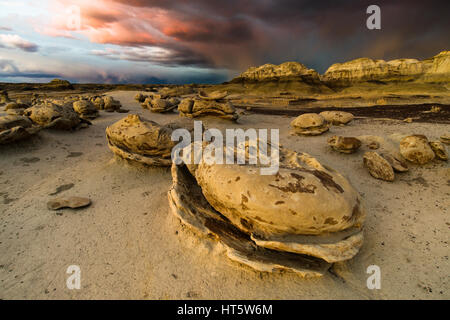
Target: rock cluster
{"x": 160, "y": 104}
{"x": 302, "y": 219}
{"x": 107, "y": 103}
{"x": 309, "y": 124}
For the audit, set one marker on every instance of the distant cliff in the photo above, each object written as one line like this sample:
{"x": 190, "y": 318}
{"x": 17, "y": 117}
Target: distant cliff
{"x": 435, "y": 69}
{"x": 269, "y": 72}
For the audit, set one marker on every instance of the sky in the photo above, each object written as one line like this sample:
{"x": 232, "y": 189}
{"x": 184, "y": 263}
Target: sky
{"x": 205, "y": 41}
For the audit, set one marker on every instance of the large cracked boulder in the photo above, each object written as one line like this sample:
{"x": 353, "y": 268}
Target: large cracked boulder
{"x": 85, "y": 109}
{"x": 416, "y": 149}
{"x": 53, "y": 116}
{"x": 15, "y": 128}
{"x": 309, "y": 124}
{"x": 139, "y": 140}
{"x": 302, "y": 219}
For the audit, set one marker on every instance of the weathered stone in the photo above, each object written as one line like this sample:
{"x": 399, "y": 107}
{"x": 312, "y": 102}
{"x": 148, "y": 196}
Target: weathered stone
{"x": 139, "y": 140}
{"x": 50, "y": 115}
{"x": 416, "y": 149}
{"x": 71, "y": 202}
{"x": 344, "y": 144}
{"x": 85, "y": 109}
{"x": 445, "y": 138}
{"x": 396, "y": 163}
{"x": 309, "y": 124}
{"x": 199, "y": 108}
{"x": 337, "y": 117}
{"x": 305, "y": 211}
{"x": 439, "y": 150}
{"x": 111, "y": 104}
{"x": 378, "y": 166}
{"x": 14, "y": 128}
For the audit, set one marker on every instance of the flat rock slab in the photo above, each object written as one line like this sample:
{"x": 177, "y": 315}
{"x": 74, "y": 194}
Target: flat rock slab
{"x": 70, "y": 202}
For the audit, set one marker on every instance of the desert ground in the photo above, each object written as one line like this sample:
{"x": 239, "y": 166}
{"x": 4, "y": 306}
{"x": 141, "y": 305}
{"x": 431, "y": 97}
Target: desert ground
{"x": 130, "y": 246}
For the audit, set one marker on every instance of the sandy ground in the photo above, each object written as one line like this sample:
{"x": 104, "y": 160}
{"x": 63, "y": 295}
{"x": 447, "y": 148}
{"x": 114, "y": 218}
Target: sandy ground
{"x": 129, "y": 245}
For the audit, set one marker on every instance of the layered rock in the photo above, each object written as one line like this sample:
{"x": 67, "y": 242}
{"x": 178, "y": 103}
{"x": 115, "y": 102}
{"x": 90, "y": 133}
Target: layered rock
{"x": 301, "y": 219}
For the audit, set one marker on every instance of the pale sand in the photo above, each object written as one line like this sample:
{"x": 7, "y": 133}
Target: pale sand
{"x": 129, "y": 245}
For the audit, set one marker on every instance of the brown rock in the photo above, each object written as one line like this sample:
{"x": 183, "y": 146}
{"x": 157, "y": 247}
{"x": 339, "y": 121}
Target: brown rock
{"x": 378, "y": 166}
{"x": 309, "y": 124}
{"x": 439, "y": 150}
{"x": 71, "y": 202}
{"x": 14, "y": 128}
{"x": 445, "y": 138}
{"x": 337, "y": 117}
{"x": 139, "y": 140}
{"x": 416, "y": 149}
{"x": 305, "y": 211}
{"x": 344, "y": 144}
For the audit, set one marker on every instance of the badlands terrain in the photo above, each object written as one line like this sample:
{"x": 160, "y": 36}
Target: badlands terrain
{"x": 129, "y": 243}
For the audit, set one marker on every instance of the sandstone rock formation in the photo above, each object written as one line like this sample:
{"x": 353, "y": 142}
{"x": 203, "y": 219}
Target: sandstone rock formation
{"x": 287, "y": 69}
{"x": 416, "y": 149}
{"x": 139, "y": 140}
{"x": 309, "y": 124}
{"x": 337, "y": 117}
{"x": 301, "y": 219}
{"x": 344, "y": 144}
{"x": 85, "y": 109}
{"x": 378, "y": 166}
{"x": 435, "y": 69}
{"x": 15, "y": 128}
{"x": 53, "y": 116}
{"x": 439, "y": 150}
{"x": 193, "y": 108}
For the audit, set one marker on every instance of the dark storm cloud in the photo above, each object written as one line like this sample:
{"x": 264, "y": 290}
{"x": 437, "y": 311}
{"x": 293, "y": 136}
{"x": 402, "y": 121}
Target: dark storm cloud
{"x": 235, "y": 34}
